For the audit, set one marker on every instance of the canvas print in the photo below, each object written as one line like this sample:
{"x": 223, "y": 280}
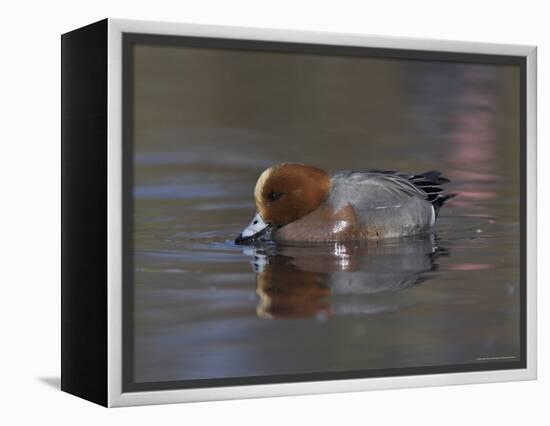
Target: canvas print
{"x": 307, "y": 214}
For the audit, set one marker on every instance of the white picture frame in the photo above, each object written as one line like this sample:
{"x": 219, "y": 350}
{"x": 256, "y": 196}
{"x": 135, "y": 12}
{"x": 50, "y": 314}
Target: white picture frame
{"x": 113, "y": 385}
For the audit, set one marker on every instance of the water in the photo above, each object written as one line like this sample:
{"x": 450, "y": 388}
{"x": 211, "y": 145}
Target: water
{"x": 205, "y": 308}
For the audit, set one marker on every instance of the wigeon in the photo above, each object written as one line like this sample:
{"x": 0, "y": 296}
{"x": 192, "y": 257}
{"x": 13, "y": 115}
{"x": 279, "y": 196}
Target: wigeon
{"x": 301, "y": 203}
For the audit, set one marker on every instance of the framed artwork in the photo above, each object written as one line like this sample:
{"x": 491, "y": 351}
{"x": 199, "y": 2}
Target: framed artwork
{"x": 252, "y": 212}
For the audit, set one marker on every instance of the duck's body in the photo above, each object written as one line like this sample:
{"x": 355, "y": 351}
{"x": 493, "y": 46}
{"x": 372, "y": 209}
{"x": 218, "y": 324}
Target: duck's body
{"x": 298, "y": 203}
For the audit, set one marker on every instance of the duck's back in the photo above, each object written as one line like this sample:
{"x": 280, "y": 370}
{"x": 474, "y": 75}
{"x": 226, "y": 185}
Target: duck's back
{"x": 372, "y": 205}
{"x": 371, "y": 190}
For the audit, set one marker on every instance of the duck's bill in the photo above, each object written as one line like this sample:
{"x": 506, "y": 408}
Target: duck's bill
{"x": 257, "y": 230}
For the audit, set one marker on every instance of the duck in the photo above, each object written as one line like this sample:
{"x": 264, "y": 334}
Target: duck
{"x": 302, "y": 203}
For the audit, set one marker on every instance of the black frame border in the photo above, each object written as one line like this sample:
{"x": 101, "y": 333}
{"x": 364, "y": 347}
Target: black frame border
{"x": 84, "y": 147}
{"x": 131, "y": 39}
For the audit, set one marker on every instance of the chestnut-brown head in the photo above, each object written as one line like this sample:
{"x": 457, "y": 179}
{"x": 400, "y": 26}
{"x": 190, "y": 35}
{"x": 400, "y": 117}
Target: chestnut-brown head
{"x": 285, "y": 193}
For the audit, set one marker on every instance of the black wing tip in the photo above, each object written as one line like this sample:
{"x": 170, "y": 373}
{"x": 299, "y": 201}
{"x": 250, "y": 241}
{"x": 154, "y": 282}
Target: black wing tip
{"x": 434, "y": 190}
{"x": 435, "y": 176}
{"x": 441, "y": 199}
{"x": 430, "y": 182}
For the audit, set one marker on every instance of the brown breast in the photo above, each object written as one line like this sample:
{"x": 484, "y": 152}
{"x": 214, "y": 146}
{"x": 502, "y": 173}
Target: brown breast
{"x": 326, "y": 224}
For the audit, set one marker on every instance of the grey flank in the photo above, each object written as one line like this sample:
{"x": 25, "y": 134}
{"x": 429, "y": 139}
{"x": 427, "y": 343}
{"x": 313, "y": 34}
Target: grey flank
{"x": 384, "y": 201}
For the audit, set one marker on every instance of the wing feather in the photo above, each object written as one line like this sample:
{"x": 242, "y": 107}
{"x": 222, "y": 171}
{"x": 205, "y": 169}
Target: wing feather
{"x": 370, "y": 190}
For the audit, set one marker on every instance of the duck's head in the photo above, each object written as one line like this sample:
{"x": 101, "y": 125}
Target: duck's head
{"x": 283, "y": 194}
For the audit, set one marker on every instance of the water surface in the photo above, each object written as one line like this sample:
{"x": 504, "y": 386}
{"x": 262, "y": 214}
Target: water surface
{"x": 205, "y": 308}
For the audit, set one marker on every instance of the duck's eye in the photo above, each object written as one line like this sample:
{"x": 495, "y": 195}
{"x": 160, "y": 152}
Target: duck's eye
{"x": 274, "y": 196}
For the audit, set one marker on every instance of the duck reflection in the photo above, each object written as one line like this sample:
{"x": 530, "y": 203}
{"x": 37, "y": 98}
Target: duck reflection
{"x": 331, "y": 279}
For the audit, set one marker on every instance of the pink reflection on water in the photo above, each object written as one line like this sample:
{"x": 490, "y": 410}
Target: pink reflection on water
{"x": 473, "y": 139}
{"x": 471, "y": 266}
